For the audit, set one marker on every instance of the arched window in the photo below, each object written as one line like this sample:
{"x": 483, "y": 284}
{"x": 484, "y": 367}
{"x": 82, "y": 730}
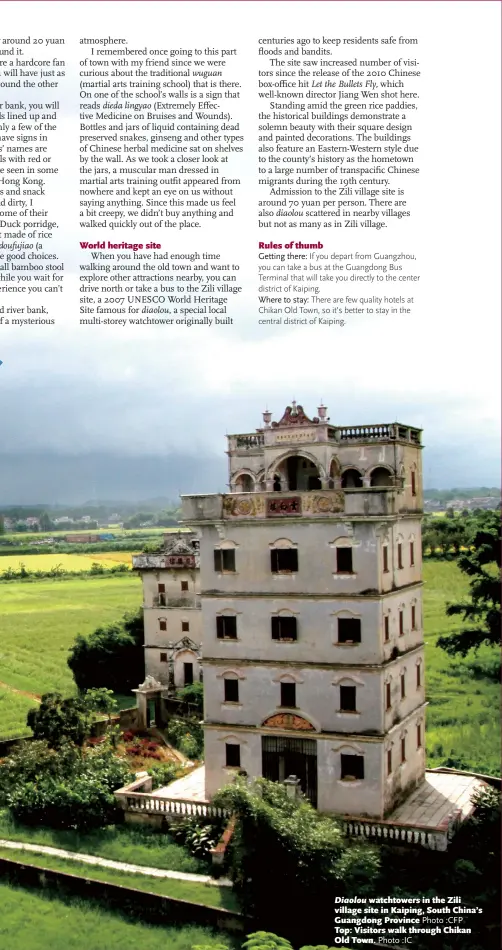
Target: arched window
{"x": 226, "y": 625}
{"x": 380, "y": 478}
{"x": 224, "y": 557}
{"x": 230, "y": 687}
{"x": 244, "y": 483}
{"x": 284, "y": 626}
{"x": 297, "y": 473}
{"x": 351, "y": 478}
{"x": 283, "y": 557}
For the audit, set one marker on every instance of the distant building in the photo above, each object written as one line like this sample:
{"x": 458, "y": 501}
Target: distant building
{"x": 83, "y": 538}
{"x": 172, "y": 617}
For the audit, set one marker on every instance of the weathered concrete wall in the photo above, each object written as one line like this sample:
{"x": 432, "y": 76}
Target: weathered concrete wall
{"x": 317, "y": 694}
{"x": 370, "y": 796}
{"x": 317, "y": 628}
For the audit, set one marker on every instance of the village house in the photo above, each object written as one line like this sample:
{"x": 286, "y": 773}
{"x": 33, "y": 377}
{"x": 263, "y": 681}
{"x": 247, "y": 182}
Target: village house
{"x": 172, "y": 622}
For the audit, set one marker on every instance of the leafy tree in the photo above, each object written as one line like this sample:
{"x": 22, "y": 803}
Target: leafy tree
{"x": 283, "y": 846}
{"x": 264, "y": 940}
{"x": 111, "y": 656}
{"x": 482, "y": 609}
{"x": 45, "y": 522}
{"x": 101, "y": 700}
{"x": 2, "y": 525}
{"x": 58, "y": 719}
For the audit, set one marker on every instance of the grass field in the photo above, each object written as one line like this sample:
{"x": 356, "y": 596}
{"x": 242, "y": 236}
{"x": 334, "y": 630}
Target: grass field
{"x": 29, "y": 536}
{"x": 132, "y": 845}
{"x": 208, "y": 894}
{"x": 34, "y": 921}
{"x": 39, "y": 622}
{"x": 69, "y": 562}
{"x": 463, "y": 718}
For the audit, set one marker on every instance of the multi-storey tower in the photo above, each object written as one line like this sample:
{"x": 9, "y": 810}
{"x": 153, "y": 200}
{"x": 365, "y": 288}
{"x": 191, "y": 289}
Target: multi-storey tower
{"x": 171, "y": 615}
{"x": 312, "y": 611}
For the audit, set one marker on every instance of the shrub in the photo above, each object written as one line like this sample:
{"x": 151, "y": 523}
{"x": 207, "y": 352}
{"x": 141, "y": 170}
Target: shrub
{"x": 194, "y": 694}
{"x": 187, "y": 736}
{"x": 29, "y": 760}
{"x": 63, "y": 788}
{"x": 279, "y": 838}
{"x": 199, "y": 838}
{"x": 164, "y": 773}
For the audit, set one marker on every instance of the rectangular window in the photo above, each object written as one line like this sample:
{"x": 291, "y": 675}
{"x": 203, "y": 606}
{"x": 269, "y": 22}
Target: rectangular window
{"x": 161, "y": 588}
{"x": 226, "y": 628}
{"x": 389, "y": 762}
{"x": 401, "y": 623}
{"x": 348, "y": 699}
{"x": 231, "y": 691}
{"x": 413, "y": 617}
{"x": 419, "y": 737}
{"x": 386, "y": 621}
{"x": 284, "y": 560}
{"x": 162, "y": 625}
{"x": 344, "y": 561}
{"x": 288, "y": 695}
{"x": 352, "y": 767}
{"x": 413, "y": 482}
{"x": 419, "y": 676}
{"x": 412, "y": 553}
{"x": 400, "y": 556}
{"x": 163, "y": 657}
{"x": 403, "y": 750}
{"x": 224, "y": 560}
{"x": 349, "y": 630}
{"x": 388, "y": 702}
{"x": 403, "y": 686}
{"x": 385, "y": 555}
{"x": 232, "y": 755}
{"x": 188, "y": 673}
{"x": 184, "y": 585}
{"x": 284, "y": 628}
{"x": 185, "y": 626}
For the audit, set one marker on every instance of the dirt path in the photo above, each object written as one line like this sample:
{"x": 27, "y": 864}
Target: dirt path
{"x": 22, "y": 692}
{"x": 115, "y": 865}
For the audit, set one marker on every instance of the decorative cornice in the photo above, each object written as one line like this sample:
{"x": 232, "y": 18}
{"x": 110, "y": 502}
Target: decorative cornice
{"x": 294, "y": 416}
{"x": 305, "y": 665}
{"x": 298, "y": 595}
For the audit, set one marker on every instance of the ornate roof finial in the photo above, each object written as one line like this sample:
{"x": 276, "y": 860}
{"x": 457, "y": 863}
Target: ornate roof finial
{"x": 293, "y": 408}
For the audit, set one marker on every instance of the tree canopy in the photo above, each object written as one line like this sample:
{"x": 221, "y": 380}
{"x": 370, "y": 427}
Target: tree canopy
{"x": 111, "y": 656}
{"x": 481, "y": 609}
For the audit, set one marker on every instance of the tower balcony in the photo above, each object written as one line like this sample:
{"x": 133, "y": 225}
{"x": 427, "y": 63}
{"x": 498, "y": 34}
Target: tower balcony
{"x": 163, "y": 562}
{"x": 278, "y": 505}
{"x": 253, "y": 443}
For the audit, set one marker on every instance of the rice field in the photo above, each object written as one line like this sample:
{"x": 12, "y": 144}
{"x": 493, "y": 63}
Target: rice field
{"x": 72, "y": 563}
{"x": 39, "y": 621}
